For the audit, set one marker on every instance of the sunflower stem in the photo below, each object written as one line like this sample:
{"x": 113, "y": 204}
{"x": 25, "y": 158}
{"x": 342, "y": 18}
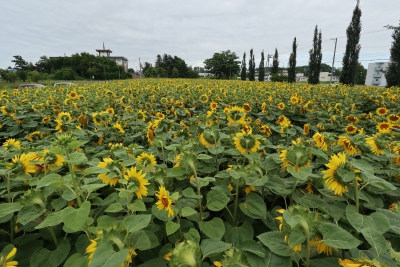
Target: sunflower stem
{"x": 9, "y": 201}
{"x": 307, "y": 232}
{"x": 191, "y": 164}
{"x": 53, "y": 235}
{"x": 356, "y": 195}
{"x": 390, "y": 170}
{"x": 236, "y": 204}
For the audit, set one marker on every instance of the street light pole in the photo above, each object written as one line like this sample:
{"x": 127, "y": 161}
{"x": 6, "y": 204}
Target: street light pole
{"x": 333, "y": 62}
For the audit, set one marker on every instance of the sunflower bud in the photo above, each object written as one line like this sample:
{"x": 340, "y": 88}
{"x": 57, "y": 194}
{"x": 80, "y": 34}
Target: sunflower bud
{"x": 186, "y": 253}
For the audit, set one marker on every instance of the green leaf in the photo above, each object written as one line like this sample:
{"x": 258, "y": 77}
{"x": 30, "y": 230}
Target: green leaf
{"x": 253, "y": 247}
{"x": 216, "y": 200}
{"x": 293, "y": 221}
{"x": 76, "y": 260}
{"x": 171, "y": 227}
{"x": 188, "y": 211}
{"x": 212, "y": 246}
{"x": 115, "y": 207}
{"x": 377, "y": 241}
{"x": 76, "y": 143}
{"x": 134, "y": 223}
{"x": 357, "y": 220}
{"x": 237, "y": 235}
{"x": 362, "y": 165}
{"x": 296, "y": 238}
{"x": 213, "y": 229}
{"x": 95, "y": 170}
{"x": 189, "y": 192}
{"x": 394, "y": 220}
{"x": 275, "y": 242}
{"x": 138, "y": 205}
{"x": 28, "y": 214}
{"x": 53, "y": 179}
{"x": 176, "y": 172}
{"x": 105, "y": 256}
{"x": 75, "y": 218}
{"x": 349, "y": 176}
{"x": 9, "y": 208}
{"x": 254, "y": 206}
{"x": 377, "y": 182}
{"x": 336, "y": 237}
{"x": 204, "y": 157}
{"x": 325, "y": 262}
{"x": 139, "y": 240}
{"x": 301, "y": 175}
{"x": 92, "y": 187}
{"x": 43, "y": 257}
{"x": 76, "y": 158}
{"x": 319, "y": 153}
{"x": 270, "y": 260}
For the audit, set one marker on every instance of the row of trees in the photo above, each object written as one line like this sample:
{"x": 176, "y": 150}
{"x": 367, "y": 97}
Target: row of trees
{"x": 167, "y": 66}
{"x": 78, "y": 66}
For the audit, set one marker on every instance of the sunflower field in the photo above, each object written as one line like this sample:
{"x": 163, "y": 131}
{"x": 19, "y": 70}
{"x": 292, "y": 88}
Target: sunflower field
{"x": 175, "y": 172}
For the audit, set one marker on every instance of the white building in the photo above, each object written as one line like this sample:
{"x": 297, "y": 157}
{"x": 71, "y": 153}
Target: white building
{"x": 121, "y": 61}
{"x": 326, "y": 77}
{"x": 375, "y": 75}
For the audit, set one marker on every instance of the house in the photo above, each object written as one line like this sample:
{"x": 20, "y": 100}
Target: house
{"x": 121, "y": 61}
{"x": 375, "y": 74}
{"x": 326, "y": 77}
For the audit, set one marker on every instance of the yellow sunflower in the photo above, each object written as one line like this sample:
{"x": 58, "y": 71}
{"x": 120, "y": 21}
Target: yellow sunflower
{"x": 51, "y": 159}
{"x": 294, "y": 100}
{"x": 352, "y": 119}
{"x": 213, "y": 105}
{"x": 11, "y": 254}
{"x": 72, "y": 95}
{"x": 281, "y": 106}
{"x": 373, "y": 144}
{"x": 141, "y": 115}
{"x": 110, "y": 111}
{"x": 330, "y": 175}
{"x": 348, "y": 146}
{"x": 359, "y": 263}
{"x": 11, "y": 143}
{"x": 246, "y": 143}
{"x": 393, "y": 118}
{"x": 164, "y": 202}
{"x": 46, "y": 119}
{"x": 265, "y": 129}
{"x": 320, "y": 141}
{"x": 22, "y": 163}
{"x": 203, "y": 98}
{"x": 140, "y": 181}
{"x": 64, "y": 116}
{"x": 306, "y": 129}
{"x": 236, "y": 115}
{"x": 147, "y": 161}
{"x": 350, "y": 129}
{"x": 108, "y": 178}
{"x": 247, "y": 107}
{"x": 384, "y": 127}
{"x": 119, "y": 127}
{"x": 382, "y": 111}
{"x": 91, "y": 249}
{"x": 321, "y": 247}
{"x": 59, "y": 126}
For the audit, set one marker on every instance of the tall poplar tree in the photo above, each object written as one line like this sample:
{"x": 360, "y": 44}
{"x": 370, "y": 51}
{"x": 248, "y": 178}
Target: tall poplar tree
{"x": 350, "y": 57}
{"x": 292, "y": 63}
{"x": 392, "y": 73}
{"x": 243, "y": 72}
{"x": 252, "y": 66}
{"x": 275, "y": 63}
{"x": 261, "y": 68}
{"x": 314, "y": 63}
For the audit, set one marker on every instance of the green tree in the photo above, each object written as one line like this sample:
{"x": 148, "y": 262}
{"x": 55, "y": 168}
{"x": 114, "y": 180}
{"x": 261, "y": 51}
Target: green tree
{"x": 261, "y": 68}
{"x": 361, "y": 74}
{"x": 34, "y": 76}
{"x": 252, "y": 66}
{"x": 223, "y": 64}
{"x": 315, "y": 58}
{"x": 292, "y": 63}
{"x": 20, "y": 63}
{"x": 22, "y": 74}
{"x": 275, "y": 63}
{"x": 175, "y": 72}
{"x": 11, "y": 77}
{"x": 392, "y": 73}
{"x": 243, "y": 68}
{"x": 350, "y": 57}
{"x": 43, "y": 65}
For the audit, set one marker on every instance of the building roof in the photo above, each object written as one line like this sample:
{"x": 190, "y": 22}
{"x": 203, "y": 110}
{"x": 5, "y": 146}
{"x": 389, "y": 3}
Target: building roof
{"x": 116, "y": 57}
{"x": 104, "y": 50}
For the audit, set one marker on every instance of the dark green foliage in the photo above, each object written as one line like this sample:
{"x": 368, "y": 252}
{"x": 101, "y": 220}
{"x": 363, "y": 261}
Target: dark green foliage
{"x": 361, "y": 74}
{"x": 392, "y": 73}
{"x": 22, "y": 74}
{"x": 66, "y": 73}
{"x": 252, "y": 66}
{"x": 350, "y": 57}
{"x": 261, "y": 68}
{"x": 223, "y": 64}
{"x": 278, "y": 78}
{"x": 292, "y": 63}
{"x": 168, "y": 63}
{"x": 275, "y": 63}
{"x": 34, "y": 76}
{"x": 243, "y": 67}
{"x": 20, "y": 63}
{"x": 314, "y": 63}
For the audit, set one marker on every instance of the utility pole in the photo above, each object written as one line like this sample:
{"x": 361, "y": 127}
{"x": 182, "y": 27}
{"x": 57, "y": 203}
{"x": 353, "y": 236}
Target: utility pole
{"x": 268, "y": 57}
{"x": 333, "y": 62}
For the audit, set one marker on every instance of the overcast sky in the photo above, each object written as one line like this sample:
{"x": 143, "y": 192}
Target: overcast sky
{"x": 191, "y": 29}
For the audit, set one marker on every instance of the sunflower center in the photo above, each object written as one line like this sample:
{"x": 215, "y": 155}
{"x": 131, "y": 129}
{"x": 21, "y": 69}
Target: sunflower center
{"x": 165, "y": 201}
